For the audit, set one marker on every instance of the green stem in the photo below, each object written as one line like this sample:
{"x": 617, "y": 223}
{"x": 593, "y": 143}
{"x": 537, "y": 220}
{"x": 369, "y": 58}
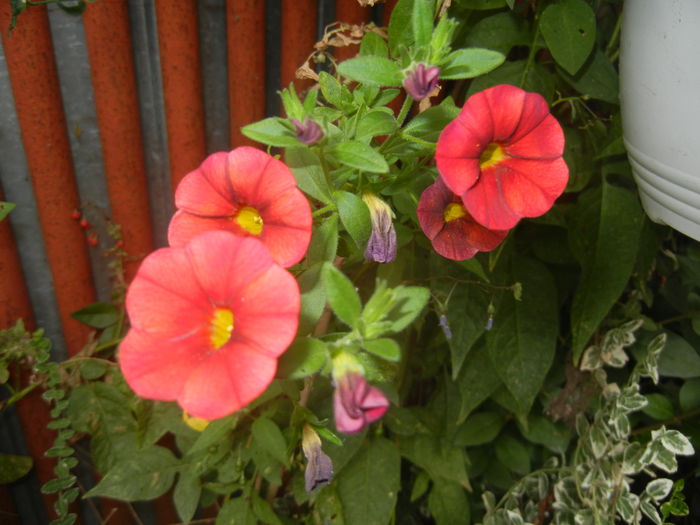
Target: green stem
{"x": 614, "y": 37}
{"x": 19, "y": 395}
{"x": 422, "y": 142}
{"x": 676, "y": 420}
{"x": 531, "y": 54}
{"x": 323, "y": 210}
{"x": 407, "y": 104}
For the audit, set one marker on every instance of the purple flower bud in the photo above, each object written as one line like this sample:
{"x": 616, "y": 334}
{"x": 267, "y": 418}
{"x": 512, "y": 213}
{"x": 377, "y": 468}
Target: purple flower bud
{"x": 356, "y": 403}
{"x": 308, "y": 132}
{"x": 381, "y": 246}
{"x": 421, "y": 82}
{"x": 319, "y": 469}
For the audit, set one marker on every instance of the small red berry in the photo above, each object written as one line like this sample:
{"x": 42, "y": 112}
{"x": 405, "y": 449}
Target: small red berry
{"x": 92, "y": 239}
{"x": 85, "y": 224}
{"x": 119, "y": 244}
{"x": 75, "y": 214}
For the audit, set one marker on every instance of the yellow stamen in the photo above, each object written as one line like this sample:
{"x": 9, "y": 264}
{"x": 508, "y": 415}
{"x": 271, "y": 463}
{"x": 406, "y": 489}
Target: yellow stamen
{"x": 453, "y": 211}
{"x": 195, "y": 423}
{"x": 249, "y": 219}
{"x": 221, "y": 327}
{"x": 492, "y": 155}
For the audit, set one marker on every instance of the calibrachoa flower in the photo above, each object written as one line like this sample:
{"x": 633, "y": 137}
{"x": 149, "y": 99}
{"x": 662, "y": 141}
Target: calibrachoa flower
{"x": 319, "y": 469}
{"x": 249, "y": 193}
{"x": 450, "y": 228}
{"x": 208, "y": 322}
{"x": 381, "y": 246}
{"x": 503, "y": 156}
{"x": 308, "y": 132}
{"x": 421, "y": 81}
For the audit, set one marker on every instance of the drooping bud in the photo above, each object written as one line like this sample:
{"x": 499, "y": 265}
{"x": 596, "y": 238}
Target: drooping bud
{"x": 355, "y": 403}
{"x": 381, "y": 246}
{"x": 421, "y": 81}
{"x": 308, "y": 132}
{"x": 319, "y": 469}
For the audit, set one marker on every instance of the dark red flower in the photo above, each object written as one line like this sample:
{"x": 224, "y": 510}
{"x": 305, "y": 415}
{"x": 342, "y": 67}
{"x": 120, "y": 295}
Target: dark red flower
{"x": 503, "y": 156}
{"x": 208, "y": 322}
{"x": 450, "y": 228}
{"x": 249, "y": 193}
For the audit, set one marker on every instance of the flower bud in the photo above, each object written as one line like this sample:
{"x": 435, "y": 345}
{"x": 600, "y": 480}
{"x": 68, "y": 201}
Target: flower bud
{"x": 421, "y": 82}
{"x": 308, "y": 132}
{"x": 319, "y": 469}
{"x": 381, "y": 246}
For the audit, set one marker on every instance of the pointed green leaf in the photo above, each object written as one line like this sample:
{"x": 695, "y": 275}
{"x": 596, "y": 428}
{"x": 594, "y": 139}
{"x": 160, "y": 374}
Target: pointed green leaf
{"x": 273, "y": 131}
{"x": 470, "y": 63}
{"x": 385, "y": 348}
{"x": 568, "y": 27}
{"x": 270, "y": 438}
{"x": 359, "y": 156}
{"x": 341, "y": 294}
{"x": 355, "y": 217}
{"x": 308, "y": 172}
{"x": 371, "y": 70}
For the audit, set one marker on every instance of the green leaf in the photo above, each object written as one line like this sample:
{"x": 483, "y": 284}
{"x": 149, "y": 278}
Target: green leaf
{"x": 324, "y": 241}
{"x": 658, "y": 489}
{"x": 273, "y": 131}
{"x": 143, "y": 475}
{"x": 359, "y": 156}
{"x": 304, "y": 357}
{"x": 422, "y": 22}
{"x": 470, "y": 63}
{"x": 215, "y": 433}
{"x": 477, "y": 381}
{"x": 5, "y": 209}
{"x": 400, "y": 30}
{"x": 371, "y": 70}
{"x": 438, "y": 458}
{"x": 689, "y": 395}
{"x": 313, "y": 299}
{"x": 678, "y": 358}
{"x": 523, "y": 341}
{"x": 236, "y": 511}
{"x": 568, "y": 27}
{"x": 375, "y": 123}
{"x": 373, "y": 44}
{"x": 658, "y": 407}
{"x": 486, "y": 4}
{"x": 341, "y": 294}
{"x": 368, "y": 486}
{"x": 270, "y": 438}
{"x": 537, "y": 78}
{"x": 467, "y": 314}
{"x": 409, "y": 302}
{"x": 385, "y": 348}
{"x": 479, "y": 429}
{"x": 447, "y": 501}
{"x": 543, "y": 431}
{"x": 13, "y": 467}
{"x": 604, "y": 237}
{"x": 428, "y": 124}
{"x": 513, "y": 454}
{"x": 263, "y": 510}
{"x": 308, "y": 172}
{"x": 186, "y": 494}
{"x": 597, "y": 79}
{"x": 500, "y": 32}
{"x": 97, "y": 315}
{"x": 335, "y": 92}
{"x": 355, "y": 217}
{"x": 99, "y": 405}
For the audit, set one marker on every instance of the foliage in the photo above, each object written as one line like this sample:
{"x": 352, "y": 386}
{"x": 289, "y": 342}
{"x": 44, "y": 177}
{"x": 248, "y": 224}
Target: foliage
{"x": 547, "y": 381}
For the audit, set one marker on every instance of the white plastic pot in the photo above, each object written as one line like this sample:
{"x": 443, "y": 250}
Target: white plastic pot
{"x": 660, "y": 100}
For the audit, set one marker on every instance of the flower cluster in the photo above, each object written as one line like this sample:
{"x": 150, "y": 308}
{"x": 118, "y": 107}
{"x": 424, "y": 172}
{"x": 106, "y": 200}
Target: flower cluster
{"x": 500, "y": 160}
{"x": 211, "y": 314}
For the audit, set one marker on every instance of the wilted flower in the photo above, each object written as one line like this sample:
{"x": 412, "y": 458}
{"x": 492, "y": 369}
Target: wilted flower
{"x": 503, "y": 156}
{"x": 356, "y": 403}
{"x": 452, "y": 231}
{"x": 421, "y": 81}
{"x": 319, "y": 469}
{"x": 249, "y": 193}
{"x": 208, "y": 322}
{"x": 381, "y": 246}
{"x": 308, "y": 132}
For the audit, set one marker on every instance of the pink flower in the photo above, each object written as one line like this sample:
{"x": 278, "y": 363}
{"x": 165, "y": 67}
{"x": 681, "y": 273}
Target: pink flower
{"x": 452, "y": 231}
{"x": 208, "y": 322}
{"x": 356, "y": 404}
{"x": 249, "y": 193}
{"x": 421, "y": 82}
{"x": 503, "y": 156}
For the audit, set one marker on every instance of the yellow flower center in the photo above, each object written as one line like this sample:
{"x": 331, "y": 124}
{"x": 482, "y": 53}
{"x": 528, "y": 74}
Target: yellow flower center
{"x": 221, "y": 327}
{"x": 195, "y": 423}
{"x": 249, "y": 219}
{"x": 492, "y": 155}
{"x": 453, "y": 211}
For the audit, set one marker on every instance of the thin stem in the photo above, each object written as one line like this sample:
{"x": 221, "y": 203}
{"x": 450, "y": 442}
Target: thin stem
{"x": 614, "y": 37}
{"x": 422, "y": 142}
{"x": 531, "y": 54}
{"x": 19, "y": 395}
{"x": 323, "y": 210}
{"x": 676, "y": 420}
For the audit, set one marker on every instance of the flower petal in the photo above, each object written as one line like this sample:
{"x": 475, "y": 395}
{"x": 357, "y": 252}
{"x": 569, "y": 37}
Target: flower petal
{"x": 226, "y": 381}
{"x": 469, "y": 133}
{"x": 486, "y": 204}
{"x": 164, "y": 297}
{"x": 545, "y": 141}
{"x": 205, "y": 191}
{"x": 287, "y": 227}
{"x": 224, "y": 263}
{"x": 184, "y": 226}
{"x": 534, "y": 111}
{"x": 257, "y": 178}
{"x": 158, "y": 368}
{"x": 458, "y": 174}
{"x": 505, "y": 103}
{"x": 530, "y": 187}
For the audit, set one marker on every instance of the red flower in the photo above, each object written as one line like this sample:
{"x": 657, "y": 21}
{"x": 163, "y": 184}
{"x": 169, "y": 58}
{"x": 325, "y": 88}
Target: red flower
{"x": 503, "y": 156}
{"x": 451, "y": 229}
{"x": 208, "y": 322}
{"x": 249, "y": 193}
